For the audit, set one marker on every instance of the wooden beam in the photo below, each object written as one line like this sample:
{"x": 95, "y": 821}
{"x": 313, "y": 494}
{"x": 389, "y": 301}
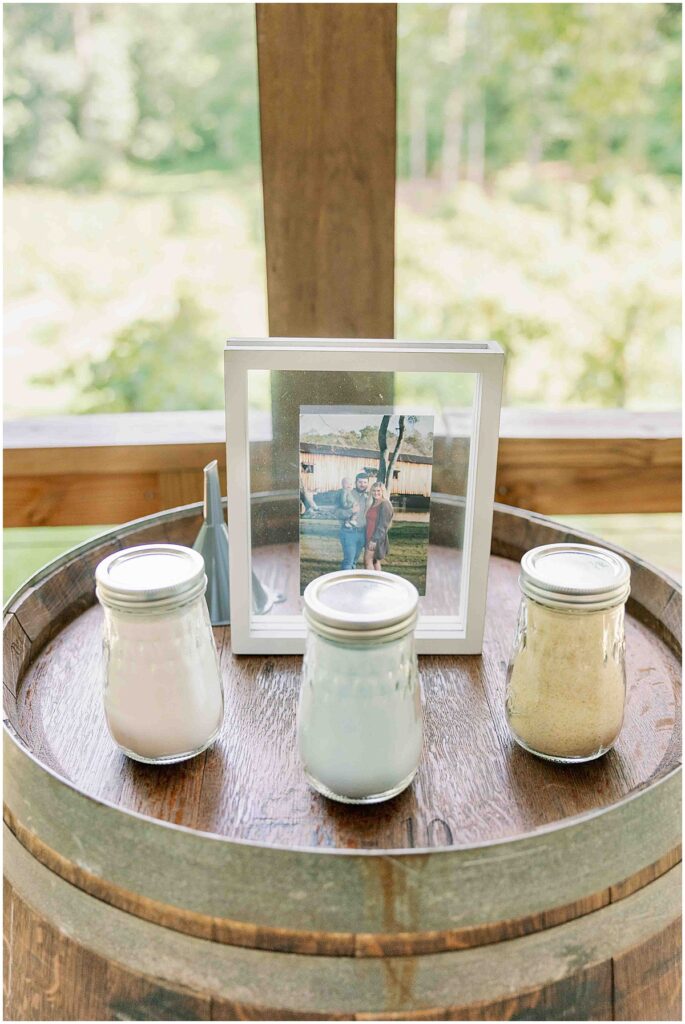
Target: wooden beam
{"x": 327, "y": 97}
{"x": 81, "y": 470}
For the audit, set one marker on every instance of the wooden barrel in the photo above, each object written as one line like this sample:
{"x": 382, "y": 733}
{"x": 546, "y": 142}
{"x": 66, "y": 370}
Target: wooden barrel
{"x": 498, "y": 886}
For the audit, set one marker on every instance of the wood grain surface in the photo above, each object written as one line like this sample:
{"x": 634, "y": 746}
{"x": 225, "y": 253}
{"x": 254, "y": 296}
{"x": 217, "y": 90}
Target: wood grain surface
{"x": 432, "y": 872}
{"x": 62, "y": 980}
{"x": 327, "y": 116}
{"x": 474, "y": 784}
{"x": 71, "y": 957}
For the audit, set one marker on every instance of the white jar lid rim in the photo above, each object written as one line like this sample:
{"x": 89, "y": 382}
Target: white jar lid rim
{"x": 571, "y": 575}
{"x": 360, "y": 601}
{"x": 159, "y": 575}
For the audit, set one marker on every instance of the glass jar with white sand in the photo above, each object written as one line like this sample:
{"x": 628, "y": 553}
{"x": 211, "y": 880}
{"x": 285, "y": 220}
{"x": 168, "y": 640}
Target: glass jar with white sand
{"x": 360, "y": 722}
{"x": 566, "y": 683}
{"x": 163, "y": 695}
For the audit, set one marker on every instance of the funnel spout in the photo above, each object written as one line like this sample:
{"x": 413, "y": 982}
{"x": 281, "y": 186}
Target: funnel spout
{"x": 213, "y": 514}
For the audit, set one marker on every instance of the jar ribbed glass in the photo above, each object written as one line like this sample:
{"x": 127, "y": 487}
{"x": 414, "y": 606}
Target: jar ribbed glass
{"x": 163, "y": 696}
{"x": 360, "y": 722}
{"x": 566, "y": 683}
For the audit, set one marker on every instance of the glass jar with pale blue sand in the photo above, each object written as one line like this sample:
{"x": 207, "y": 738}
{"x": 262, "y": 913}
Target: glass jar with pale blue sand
{"x": 360, "y": 721}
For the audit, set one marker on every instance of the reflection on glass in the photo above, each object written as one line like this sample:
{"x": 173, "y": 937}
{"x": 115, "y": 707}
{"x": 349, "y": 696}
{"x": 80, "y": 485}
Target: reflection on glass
{"x": 281, "y": 498}
{"x": 365, "y": 489}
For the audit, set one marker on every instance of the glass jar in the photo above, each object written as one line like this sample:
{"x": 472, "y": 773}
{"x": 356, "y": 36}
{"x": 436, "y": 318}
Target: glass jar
{"x": 566, "y": 682}
{"x": 163, "y": 695}
{"x": 359, "y": 723}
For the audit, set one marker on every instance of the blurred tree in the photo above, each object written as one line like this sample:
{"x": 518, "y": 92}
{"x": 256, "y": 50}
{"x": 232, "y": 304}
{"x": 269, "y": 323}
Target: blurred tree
{"x": 173, "y": 85}
{"x": 589, "y": 83}
{"x": 563, "y": 245}
{"x": 88, "y": 86}
{"x": 153, "y": 365}
{"x": 587, "y": 308}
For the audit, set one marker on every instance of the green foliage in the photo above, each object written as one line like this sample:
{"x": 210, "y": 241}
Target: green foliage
{"x": 584, "y": 296}
{"x": 539, "y": 152}
{"x": 81, "y": 267}
{"x": 153, "y": 365}
{"x": 174, "y": 86}
{"x": 595, "y": 85}
{"x": 89, "y": 87}
{"x": 413, "y": 442}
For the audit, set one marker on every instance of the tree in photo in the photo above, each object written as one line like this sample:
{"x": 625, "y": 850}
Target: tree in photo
{"x": 385, "y": 468}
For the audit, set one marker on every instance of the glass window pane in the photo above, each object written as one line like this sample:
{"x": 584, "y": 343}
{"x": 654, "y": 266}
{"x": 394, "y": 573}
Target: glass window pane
{"x": 538, "y": 200}
{"x": 309, "y": 432}
{"x": 133, "y": 212}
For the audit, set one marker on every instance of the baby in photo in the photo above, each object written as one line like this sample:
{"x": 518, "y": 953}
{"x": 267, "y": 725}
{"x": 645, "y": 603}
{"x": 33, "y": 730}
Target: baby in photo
{"x": 349, "y": 501}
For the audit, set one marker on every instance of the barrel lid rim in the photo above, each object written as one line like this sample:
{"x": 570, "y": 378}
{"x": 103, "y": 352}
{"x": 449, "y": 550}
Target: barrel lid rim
{"x": 577, "y": 821}
{"x": 119, "y": 535}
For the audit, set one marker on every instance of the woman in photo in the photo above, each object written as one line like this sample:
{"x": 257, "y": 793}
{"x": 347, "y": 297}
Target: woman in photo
{"x": 378, "y": 520}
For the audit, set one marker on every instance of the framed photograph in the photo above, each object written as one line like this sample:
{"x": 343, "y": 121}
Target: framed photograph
{"x": 363, "y": 453}
{"x": 365, "y": 488}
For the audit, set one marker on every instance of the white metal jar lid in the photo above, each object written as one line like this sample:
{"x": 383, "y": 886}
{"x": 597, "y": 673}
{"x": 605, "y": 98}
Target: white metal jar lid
{"x": 577, "y": 576}
{"x": 150, "y": 577}
{"x": 361, "y": 605}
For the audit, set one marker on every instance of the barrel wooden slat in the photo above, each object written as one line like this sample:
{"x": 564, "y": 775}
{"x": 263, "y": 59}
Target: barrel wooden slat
{"x": 565, "y": 973}
{"x": 234, "y": 848}
{"x": 16, "y": 653}
{"x": 647, "y": 979}
{"x": 42, "y": 609}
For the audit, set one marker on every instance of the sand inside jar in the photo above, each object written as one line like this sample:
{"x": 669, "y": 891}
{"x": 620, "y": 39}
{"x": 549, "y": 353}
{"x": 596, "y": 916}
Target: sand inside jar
{"x": 566, "y": 690}
{"x": 163, "y": 696}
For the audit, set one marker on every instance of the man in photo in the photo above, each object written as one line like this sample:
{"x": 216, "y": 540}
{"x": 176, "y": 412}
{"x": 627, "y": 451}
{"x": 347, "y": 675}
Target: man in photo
{"x": 352, "y": 506}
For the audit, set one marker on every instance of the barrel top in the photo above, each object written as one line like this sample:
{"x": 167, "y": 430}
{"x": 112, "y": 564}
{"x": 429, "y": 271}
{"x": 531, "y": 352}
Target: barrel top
{"x": 474, "y": 784}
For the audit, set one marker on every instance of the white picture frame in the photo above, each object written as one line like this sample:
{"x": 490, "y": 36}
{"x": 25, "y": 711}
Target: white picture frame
{"x": 435, "y": 634}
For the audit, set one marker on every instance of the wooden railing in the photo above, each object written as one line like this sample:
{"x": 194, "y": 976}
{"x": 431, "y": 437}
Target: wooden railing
{"x": 79, "y": 470}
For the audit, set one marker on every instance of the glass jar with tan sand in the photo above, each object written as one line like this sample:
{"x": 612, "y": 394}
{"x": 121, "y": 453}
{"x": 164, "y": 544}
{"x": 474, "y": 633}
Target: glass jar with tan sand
{"x": 566, "y": 682}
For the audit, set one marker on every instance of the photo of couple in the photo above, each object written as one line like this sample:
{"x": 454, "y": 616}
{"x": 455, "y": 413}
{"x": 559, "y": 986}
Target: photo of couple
{"x": 365, "y": 485}
{"x": 366, "y": 512}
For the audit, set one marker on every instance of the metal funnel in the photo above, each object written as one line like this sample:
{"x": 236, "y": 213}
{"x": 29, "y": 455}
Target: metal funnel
{"x": 212, "y": 543}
